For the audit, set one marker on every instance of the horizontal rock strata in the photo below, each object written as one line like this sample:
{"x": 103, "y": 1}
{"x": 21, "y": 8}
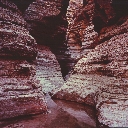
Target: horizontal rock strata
{"x": 47, "y": 24}
{"x": 100, "y": 76}
{"x": 19, "y": 92}
{"x": 48, "y": 71}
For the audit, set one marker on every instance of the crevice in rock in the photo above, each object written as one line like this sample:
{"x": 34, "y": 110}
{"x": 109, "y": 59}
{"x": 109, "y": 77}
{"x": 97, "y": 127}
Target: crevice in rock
{"x": 22, "y": 4}
{"x": 121, "y": 7}
{"x": 50, "y": 28}
{"x": 98, "y": 24}
{"x": 102, "y": 19}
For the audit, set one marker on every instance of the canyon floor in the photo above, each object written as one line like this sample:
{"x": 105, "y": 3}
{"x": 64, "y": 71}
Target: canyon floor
{"x": 61, "y": 114}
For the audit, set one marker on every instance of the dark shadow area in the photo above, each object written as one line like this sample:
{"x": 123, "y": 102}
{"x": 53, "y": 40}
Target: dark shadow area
{"x": 120, "y": 7}
{"x": 100, "y": 19}
{"x": 62, "y": 58}
{"x": 98, "y": 24}
{"x": 61, "y": 113}
{"x": 22, "y": 4}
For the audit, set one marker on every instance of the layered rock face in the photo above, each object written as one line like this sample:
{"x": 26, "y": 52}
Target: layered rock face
{"x": 47, "y": 24}
{"x": 81, "y": 36}
{"x": 19, "y": 92}
{"x": 90, "y": 22}
{"x": 47, "y": 18}
{"x": 97, "y": 34}
{"x": 48, "y": 71}
{"x": 100, "y": 77}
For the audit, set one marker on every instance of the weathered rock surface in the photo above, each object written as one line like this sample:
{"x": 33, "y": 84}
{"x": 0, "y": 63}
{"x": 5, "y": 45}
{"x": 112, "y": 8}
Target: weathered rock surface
{"x": 48, "y": 71}
{"x": 100, "y": 77}
{"x": 15, "y": 39}
{"x": 46, "y": 17}
{"x": 47, "y": 24}
{"x": 61, "y": 114}
{"x": 19, "y": 92}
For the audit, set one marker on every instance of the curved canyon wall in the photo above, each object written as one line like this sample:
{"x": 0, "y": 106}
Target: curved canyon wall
{"x": 90, "y": 34}
{"x": 28, "y": 70}
{"x": 97, "y": 37}
{"x": 19, "y": 92}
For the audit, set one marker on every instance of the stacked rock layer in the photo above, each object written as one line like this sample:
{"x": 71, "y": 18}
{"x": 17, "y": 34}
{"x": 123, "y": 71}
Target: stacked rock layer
{"x": 46, "y": 21}
{"x": 97, "y": 36}
{"x": 100, "y": 77}
{"x": 19, "y": 92}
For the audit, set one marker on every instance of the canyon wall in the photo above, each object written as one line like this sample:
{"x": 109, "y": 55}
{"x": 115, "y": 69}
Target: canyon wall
{"x": 98, "y": 37}
{"x": 46, "y": 22}
{"x": 88, "y": 36}
{"x": 19, "y": 92}
{"x": 28, "y": 70}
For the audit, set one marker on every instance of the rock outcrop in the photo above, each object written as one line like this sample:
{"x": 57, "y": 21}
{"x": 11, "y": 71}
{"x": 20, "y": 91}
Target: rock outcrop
{"x": 96, "y": 34}
{"x": 19, "y": 92}
{"x": 47, "y": 24}
{"x": 47, "y": 18}
{"x": 48, "y": 71}
{"x": 100, "y": 77}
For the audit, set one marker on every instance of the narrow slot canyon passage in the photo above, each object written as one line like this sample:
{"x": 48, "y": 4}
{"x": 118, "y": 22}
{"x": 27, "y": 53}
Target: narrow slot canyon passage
{"x": 63, "y": 63}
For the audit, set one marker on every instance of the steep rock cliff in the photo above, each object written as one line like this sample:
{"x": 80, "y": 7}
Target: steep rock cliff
{"x": 100, "y": 77}
{"x": 97, "y": 35}
{"x": 19, "y": 92}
